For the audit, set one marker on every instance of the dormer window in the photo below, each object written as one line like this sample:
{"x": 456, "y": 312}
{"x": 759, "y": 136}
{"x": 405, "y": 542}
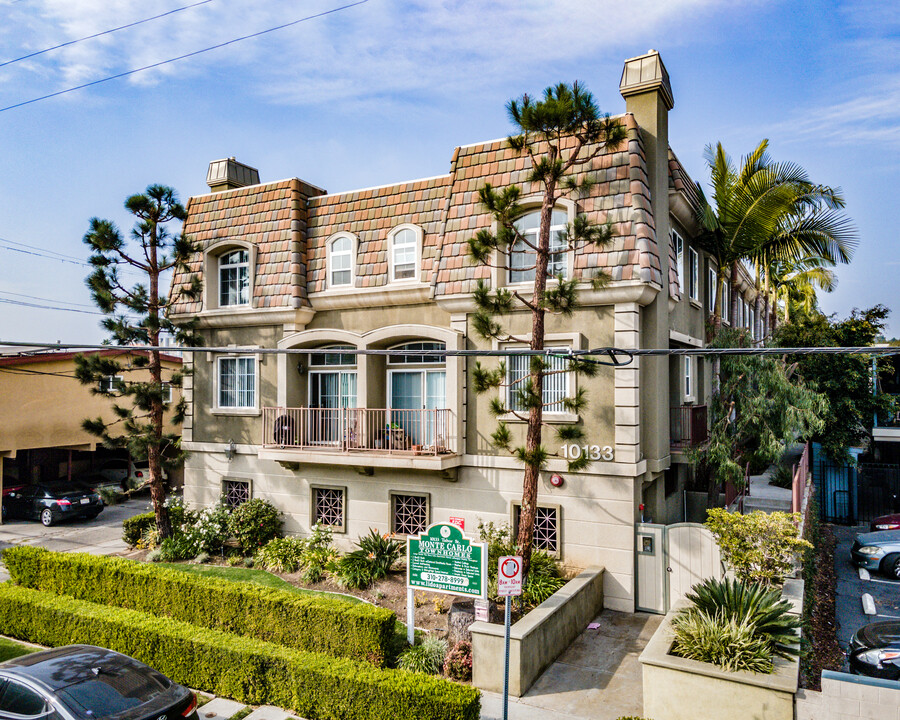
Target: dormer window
{"x": 234, "y": 278}
{"x": 340, "y": 261}
{"x": 523, "y": 257}
{"x": 404, "y": 243}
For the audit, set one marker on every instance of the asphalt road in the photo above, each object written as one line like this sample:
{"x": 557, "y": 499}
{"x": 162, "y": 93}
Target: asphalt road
{"x": 100, "y": 536}
{"x": 850, "y": 588}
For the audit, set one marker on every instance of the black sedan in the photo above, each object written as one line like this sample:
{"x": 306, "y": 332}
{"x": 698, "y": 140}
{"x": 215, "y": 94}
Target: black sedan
{"x": 51, "y": 502}
{"x": 82, "y": 682}
{"x": 875, "y": 650}
{"x": 878, "y": 551}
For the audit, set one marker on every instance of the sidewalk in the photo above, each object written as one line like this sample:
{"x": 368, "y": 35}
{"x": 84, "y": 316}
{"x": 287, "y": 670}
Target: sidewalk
{"x": 599, "y": 676}
{"x": 767, "y": 497}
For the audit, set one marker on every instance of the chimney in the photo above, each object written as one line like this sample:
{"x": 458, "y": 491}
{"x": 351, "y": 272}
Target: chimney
{"x": 229, "y": 174}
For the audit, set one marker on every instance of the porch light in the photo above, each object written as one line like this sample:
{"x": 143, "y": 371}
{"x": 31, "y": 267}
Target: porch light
{"x": 230, "y": 450}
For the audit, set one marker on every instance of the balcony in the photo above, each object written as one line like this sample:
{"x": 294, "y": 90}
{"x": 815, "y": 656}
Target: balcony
{"x": 688, "y": 426}
{"x": 420, "y": 439}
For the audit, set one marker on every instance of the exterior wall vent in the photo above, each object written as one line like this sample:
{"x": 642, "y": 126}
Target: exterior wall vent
{"x": 229, "y": 174}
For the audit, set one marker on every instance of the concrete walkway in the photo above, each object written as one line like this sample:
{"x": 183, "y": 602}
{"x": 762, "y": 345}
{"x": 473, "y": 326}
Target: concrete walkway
{"x": 598, "y": 676}
{"x": 767, "y": 497}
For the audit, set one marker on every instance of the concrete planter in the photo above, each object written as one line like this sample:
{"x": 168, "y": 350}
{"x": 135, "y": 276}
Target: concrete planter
{"x": 679, "y": 689}
{"x": 538, "y": 638}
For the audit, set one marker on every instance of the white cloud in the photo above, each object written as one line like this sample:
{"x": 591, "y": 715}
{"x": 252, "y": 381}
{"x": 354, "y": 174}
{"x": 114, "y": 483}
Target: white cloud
{"x": 369, "y": 51}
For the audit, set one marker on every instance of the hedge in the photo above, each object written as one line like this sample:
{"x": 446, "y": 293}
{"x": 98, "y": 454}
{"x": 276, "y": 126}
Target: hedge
{"x": 134, "y": 528}
{"x": 317, "y": 624}
{"x": 250, "y": 671}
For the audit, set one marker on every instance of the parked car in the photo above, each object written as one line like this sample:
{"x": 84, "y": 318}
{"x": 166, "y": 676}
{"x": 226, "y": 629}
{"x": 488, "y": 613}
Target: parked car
{"x": 52, "y": 502}
{"x": 140, "y": 473}
{"x": 886, "y": 522}
{"x": 875, "y": 650}
{"x": 82, "y": 682}
{"x": 878, "y": 551}
{"x": 95, "y": 482}
{"x": 126, "y": 474}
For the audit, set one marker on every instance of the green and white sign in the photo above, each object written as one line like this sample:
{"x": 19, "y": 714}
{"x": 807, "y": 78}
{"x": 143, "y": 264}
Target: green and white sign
{"x": 444, "y": 560}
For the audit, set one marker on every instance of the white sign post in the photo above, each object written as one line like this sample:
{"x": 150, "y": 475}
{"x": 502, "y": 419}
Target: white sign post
{"x": 509, "y": 583}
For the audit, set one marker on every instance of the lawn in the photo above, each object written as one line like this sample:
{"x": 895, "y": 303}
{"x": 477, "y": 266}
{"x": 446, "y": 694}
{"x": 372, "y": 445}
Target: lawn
{"x": 258, "y": 577}
{"x": 10, "y": 649}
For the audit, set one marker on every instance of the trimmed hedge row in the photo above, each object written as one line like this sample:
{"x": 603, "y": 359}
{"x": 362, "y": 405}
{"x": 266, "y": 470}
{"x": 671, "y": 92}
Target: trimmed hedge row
{"x": 133, "y": 528}
{"x": 316, "y": 624}
{"x": 251, "y": 671}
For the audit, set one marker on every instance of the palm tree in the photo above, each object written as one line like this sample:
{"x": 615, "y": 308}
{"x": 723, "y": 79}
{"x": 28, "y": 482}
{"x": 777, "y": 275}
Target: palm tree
{"x": 765, "y": 212}
{"x": 796, "y": 282}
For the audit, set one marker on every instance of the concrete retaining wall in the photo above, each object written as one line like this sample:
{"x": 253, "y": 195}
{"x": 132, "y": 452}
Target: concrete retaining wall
{"x": 538, "y": 638}
{"x": 847, "y": 697}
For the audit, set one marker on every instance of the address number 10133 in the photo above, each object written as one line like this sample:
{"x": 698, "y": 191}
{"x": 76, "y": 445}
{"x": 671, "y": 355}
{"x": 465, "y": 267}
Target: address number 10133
{"x": 592, "y": 452}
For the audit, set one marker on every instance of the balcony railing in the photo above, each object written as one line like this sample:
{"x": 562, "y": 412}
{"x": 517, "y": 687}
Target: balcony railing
{"x": 688, "y": 426}
{"x": 359, "y": 430}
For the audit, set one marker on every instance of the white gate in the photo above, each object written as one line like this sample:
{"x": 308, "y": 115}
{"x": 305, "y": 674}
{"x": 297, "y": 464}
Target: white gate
{"x": 685, "y": 554}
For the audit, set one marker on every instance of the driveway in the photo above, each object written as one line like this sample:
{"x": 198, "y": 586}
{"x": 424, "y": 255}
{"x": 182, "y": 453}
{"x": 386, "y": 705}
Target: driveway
{"x": 100, "y": 536}
{"x": 850, "y": 588}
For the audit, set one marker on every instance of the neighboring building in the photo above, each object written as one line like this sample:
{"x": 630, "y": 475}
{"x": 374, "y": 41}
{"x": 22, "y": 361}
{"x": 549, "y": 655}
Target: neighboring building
{"x": 42, "y": 406}
{"x": 398, "y": 442}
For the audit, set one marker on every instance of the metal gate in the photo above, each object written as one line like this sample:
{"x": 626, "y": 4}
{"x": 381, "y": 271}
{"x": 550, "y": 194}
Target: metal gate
{"x": 670, "y": 560}
{"x": 854, "y": 495}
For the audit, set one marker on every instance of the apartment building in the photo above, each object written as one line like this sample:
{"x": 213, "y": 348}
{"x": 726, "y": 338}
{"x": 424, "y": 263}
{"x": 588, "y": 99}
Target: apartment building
{"x": 398, "y": 441}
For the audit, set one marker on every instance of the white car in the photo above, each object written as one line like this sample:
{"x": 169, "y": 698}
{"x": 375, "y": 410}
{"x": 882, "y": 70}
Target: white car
{"x": 127, "y": 474}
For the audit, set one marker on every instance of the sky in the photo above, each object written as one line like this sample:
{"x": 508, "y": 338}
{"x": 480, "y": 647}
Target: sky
{"x": 383, "y": 91}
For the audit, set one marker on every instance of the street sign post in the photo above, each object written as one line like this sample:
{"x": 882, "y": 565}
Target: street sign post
{"x": 444, "y": 560}
{"x": 509, "y": 584}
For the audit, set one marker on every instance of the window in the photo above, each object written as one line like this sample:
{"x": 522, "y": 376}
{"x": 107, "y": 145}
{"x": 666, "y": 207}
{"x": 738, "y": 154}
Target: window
{"x": 740, "y": 314}
{"x": 556, "y": 381}
{"x": 694, "y": 280}
{"x": 404, "y": 246}
{"x": 409, "y": 514}
{"x": 688, "y": 365}
{"x": 234, "y": 278}
{"x": 522, "y": 258}
{"x": 328, "y": 507}
{"x": 21, "y": 700}
{"x": 167, "y": 392}
{"x": 111, "y": 383}
{"x": 340, "y": 261}
{"x": 235, "y": 492}
{"x": 417, "y": 394}
{"x": 410, "y": 347}
{"x": 711, "y": 289}
{"x": 678, "y": 244}
{"x": 726, "y": 301}
{"x": 237, "y": 382}
{"x": 546, "y": 528}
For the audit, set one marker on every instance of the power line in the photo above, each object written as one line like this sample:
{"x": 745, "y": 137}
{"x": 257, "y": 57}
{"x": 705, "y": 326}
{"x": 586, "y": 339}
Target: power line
{"x": 105, "y": 32}
{"x": 35, "y": 297}
{"x": 43, "y": 250}
{"x": 182, "y": 57}
{"x": 22, "y": 303}
{"x": 44, "y": 255}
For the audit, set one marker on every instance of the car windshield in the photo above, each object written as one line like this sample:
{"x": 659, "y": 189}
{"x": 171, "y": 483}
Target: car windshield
{"x": 109, "y": 694}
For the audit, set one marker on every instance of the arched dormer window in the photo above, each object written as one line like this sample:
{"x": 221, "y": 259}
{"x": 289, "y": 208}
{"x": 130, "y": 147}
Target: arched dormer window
{"x": 234, "y": 278}
{"x": 228, "y": 271}
{"x": 341, "y": 261}
{"x": 523, "y": 257}
{"x": 404, "y": 253}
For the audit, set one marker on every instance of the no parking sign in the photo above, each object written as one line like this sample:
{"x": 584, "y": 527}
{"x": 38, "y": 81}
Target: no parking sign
{"x": 509, "y": 576}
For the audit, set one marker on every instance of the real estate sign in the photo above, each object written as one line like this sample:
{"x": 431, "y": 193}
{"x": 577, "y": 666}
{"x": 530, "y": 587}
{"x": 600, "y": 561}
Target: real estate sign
{"x": 444, "y": 560}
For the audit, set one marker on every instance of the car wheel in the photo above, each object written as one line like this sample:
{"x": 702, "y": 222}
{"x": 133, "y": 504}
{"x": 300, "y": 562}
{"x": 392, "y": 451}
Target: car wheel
{"x": 46, "y": 517}
{"x": 895, "y": 568}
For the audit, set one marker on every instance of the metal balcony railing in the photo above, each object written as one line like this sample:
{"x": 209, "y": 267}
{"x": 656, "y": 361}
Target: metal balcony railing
{"x": 688, "y": 426}
{"x": 360, "y": 430}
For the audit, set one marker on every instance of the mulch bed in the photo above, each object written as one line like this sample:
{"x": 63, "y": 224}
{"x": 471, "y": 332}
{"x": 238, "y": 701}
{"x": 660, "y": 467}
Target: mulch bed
{"x": 821, "y": 627}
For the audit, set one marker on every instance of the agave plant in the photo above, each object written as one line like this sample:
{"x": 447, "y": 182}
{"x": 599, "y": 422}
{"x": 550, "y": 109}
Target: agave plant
{"x": 761, "y": 607}
{"x": 730, "y": 643}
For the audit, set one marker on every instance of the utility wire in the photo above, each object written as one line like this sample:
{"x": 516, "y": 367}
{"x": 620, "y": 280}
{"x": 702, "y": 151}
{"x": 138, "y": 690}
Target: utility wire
{"x": 35, "y": 297}
{"x": 43, "y": 250}
{"x": 105, "y": 32}
{"x": 22, "y": 303}
{"x": 182, "y": 57}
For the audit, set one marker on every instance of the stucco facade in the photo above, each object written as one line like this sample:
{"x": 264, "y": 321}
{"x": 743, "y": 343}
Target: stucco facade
{"x": 384, "y": 267}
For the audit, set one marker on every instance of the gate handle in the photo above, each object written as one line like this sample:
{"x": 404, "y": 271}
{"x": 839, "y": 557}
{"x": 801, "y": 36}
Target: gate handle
{"x": 668, "y": 569}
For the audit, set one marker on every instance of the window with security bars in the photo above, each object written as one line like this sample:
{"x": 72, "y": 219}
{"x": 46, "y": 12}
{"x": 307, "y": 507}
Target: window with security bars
{"x": 556, "y": 380}
{"x": 328, "y": 507}
{"x": 546, "y": 528}
{"x": 237, "y": 382}
{"x": 235, "y": 492}
{"x": 409, "y": 514}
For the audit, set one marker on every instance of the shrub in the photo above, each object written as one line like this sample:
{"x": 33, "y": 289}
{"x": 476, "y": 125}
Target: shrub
{"x": 282, "y": 554}
{"x": 428, "y": 657}
{"x": 544, "y": 577}
{"x": 371, "y": 562}
{"x": 759, "y": 546}
{"x": 248, "y": 670}
{"x": 720, "y": 640}
{"x": 320, "y": 624}
{"x": 767, "y": 614}
{"x": 134, "y": 528}
{"x": 254, "y": 523}
{"x": 319, "y": 555}
{"x": 458, "y": 664}
{"x": 783, "y": 476}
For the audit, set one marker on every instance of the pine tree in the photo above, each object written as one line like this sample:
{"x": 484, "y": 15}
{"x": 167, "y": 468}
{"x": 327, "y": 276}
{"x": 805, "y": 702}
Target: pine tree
{"x": 560, "y": 134}
{"x": 136, "y": 315}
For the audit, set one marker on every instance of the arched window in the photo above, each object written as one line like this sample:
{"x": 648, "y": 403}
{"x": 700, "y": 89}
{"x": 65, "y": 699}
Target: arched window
{"x": 522, "y": 256}
{"x": 234, "y": 278}
{"x": 404, "y": 248}
{"x": 340, "y": 261}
